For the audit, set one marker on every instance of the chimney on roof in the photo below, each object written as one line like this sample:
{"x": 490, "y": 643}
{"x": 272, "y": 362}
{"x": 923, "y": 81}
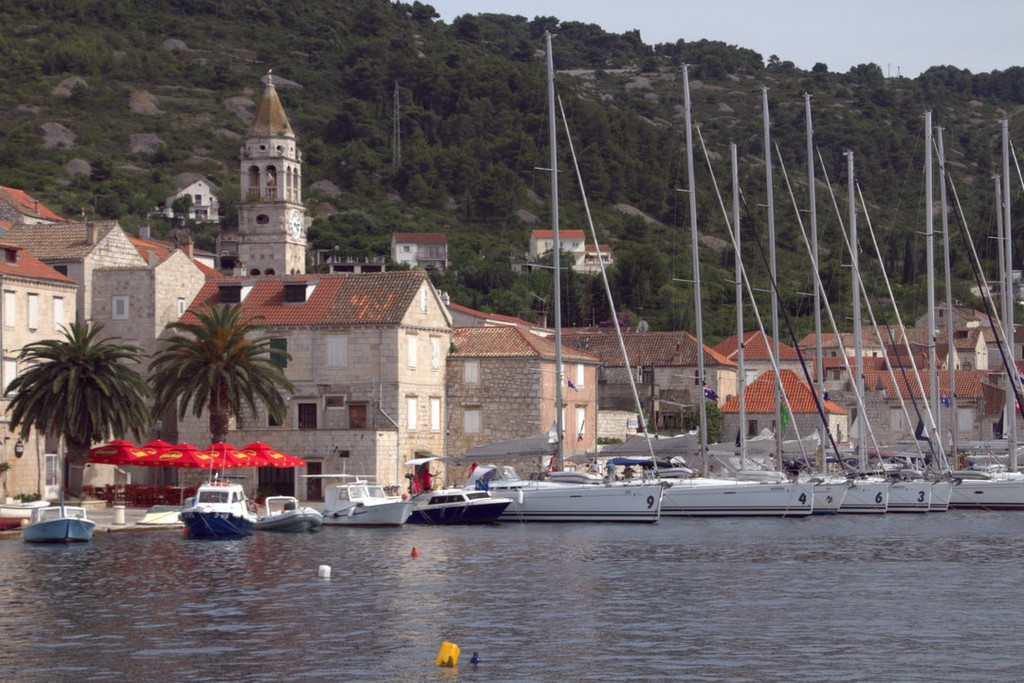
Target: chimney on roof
{"x": 188, "y": 247}
{"x": 91, "y": 232}
{"x": 145, "y": 232}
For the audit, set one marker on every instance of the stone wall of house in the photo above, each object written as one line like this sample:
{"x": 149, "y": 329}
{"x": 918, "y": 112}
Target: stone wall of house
{"x": 135, "y": 284}
{"x": 114, "y": 250}
{"x": 616, "y": 424}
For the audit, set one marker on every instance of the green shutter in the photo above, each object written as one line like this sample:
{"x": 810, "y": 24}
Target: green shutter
{"x": 279, "y": 351}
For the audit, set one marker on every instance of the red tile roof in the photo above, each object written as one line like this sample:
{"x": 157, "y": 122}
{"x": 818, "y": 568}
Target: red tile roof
{"x": 26, "y": 205}
{"x": 562, "y": 234}
{"x": 497, "y": 317}
{"x": 58, "y": 241}
{"x": 509, "y": 342}
{"x": 759, "y": 396}
{"x": 969, "y": 383}
{"x": 161, "y": 249}
{"x": 662, "y": 349}
{"x": 337, "y": 299}
{"x": 28, "y": 266}
{"x": 756, "y": 347}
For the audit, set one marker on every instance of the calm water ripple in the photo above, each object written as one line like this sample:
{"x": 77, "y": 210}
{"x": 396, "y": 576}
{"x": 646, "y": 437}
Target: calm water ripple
{"x": 893, "y": 598}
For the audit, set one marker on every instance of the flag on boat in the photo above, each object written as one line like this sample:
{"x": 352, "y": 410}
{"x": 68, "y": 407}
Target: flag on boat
{"x": 569, "y": 383}
{"x": 709, "y": 393}
{"x": 945, "y": 401}
{"x": 785, "y": 417}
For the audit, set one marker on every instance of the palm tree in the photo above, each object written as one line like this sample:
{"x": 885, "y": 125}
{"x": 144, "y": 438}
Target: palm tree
{"x": 80, "y": 387}
{"x": 218, "y": 359}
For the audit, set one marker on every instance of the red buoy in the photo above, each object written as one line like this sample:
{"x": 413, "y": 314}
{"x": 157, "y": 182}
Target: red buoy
{"x": 415, "y": 553}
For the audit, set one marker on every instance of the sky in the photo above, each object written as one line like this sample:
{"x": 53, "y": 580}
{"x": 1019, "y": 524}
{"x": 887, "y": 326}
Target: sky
{"x": 903, "y": 37}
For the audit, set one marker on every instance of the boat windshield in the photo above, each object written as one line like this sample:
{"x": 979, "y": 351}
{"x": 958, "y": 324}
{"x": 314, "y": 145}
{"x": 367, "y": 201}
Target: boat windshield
{"x": 212, "y": 497}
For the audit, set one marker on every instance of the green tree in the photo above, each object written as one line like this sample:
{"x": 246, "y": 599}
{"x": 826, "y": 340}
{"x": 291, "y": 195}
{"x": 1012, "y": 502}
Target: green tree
{"x": 218, "y": 359}
{"x": 80, "y": 387}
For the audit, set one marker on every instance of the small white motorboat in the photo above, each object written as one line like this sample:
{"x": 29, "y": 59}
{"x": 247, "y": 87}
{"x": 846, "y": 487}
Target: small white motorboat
{"x": 360, "y": 503}
{"x": 12, "y": 510}
{"x": 59, "y": 524}
{"x": 283, "y": 513}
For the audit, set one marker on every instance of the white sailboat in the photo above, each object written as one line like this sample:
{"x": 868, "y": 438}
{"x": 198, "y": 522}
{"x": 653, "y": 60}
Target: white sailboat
{"x": 999, "y": 487}
{"x": 706, "y": 496}
{"x": 545, "y": 500}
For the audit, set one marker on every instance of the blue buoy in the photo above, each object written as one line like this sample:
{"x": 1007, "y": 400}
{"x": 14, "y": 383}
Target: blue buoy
{"x": 475, "y": 659}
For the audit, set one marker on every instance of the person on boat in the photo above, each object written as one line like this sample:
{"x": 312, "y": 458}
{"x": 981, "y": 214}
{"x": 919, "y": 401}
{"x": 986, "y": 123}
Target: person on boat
{"x": 425, "y": 479}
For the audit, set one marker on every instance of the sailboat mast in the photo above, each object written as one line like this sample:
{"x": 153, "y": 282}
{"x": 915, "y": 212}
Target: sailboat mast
{"x": 557, "y": 248}
{"x": 694, "y": 239}
{"x": 953, "y": 429}
{"x": 772, "y": 267}
{"x": 858, "y": 353}
{"x": 741, "y": 377}
{"x": 929, "y": 246}
{"x": 1011, "y": 398}
{"x": 819, "y": 364}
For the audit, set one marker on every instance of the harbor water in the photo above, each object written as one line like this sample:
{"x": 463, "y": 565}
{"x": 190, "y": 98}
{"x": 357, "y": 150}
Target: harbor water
{"x": 844, "y": 598}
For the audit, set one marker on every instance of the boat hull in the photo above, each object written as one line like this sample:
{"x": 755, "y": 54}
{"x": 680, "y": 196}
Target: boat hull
{"x": 988, "y": 494}
{"x": 536, "y": 502}
{"x": 216, "y": 524}
{"x": 701, "y": 497}
{"x": 829, "y": 497}
{"x": 63, "y": 530}
{"x": 20, "y": 510}
{"x": 382, "y": 515}
{"x": 910, "y": 496}
{"x": 942, "y": 491}
{"x": 482, "y": 512}
{"x": 292, "y": 521}
{"x": 866, "y": 497}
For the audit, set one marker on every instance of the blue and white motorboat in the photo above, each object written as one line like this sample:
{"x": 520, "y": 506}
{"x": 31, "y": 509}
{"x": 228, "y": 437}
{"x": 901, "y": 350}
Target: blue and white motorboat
{"x": 221, "y": 510}
{"x": 283, "y": 513}
{"x": 59, "y": 524}
{"x": 457, "y": 506}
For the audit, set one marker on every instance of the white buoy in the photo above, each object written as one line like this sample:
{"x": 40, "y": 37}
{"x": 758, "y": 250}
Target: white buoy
{"x": 325, "y": 571}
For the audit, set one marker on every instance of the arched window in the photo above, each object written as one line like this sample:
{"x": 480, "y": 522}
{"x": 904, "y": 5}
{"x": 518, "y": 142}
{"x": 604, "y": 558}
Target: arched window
{"x": 253, "y": 188}
{"x": 254, "y": 271}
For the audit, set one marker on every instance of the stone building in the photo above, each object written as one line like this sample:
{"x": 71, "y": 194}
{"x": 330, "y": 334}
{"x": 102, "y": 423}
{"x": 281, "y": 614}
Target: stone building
{"x": 78, "y": 250}
{"x": 37, "y": 302}
{"x": 367, "y": 358}
{"x": 502, "y": 385}
{"x": 664, "y": 367}
{"x": 420, "y": 249}
{"x": 271, "y": 234}
{"x": 759, "y": 404}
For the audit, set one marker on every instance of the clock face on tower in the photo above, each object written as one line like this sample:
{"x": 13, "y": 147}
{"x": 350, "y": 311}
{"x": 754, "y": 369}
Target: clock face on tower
{"x": 295, "y": 223}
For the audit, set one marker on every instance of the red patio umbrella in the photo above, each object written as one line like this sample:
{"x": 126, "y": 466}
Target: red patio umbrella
{"x": 156, "y": 446}
{"x": 227, "y": 456}
{"x": 117, "y": 452}
{"x": 271, "y": 457}
{"x": 179, "y": 455}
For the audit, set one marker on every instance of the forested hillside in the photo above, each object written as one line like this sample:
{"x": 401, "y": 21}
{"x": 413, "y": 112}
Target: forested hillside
{"x": 107, "y": 101}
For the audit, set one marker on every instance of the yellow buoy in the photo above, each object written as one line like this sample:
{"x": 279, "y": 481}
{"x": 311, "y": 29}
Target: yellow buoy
{"x": 448, "y": 655}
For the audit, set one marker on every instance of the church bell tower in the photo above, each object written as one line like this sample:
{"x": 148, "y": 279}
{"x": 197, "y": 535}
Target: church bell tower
{"x": 271, "y": 216}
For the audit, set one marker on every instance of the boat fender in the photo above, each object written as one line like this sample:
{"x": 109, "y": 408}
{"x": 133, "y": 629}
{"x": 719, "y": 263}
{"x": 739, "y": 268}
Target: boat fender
{"x": 519, "y": 497}
{"x": 324, "y": 571}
